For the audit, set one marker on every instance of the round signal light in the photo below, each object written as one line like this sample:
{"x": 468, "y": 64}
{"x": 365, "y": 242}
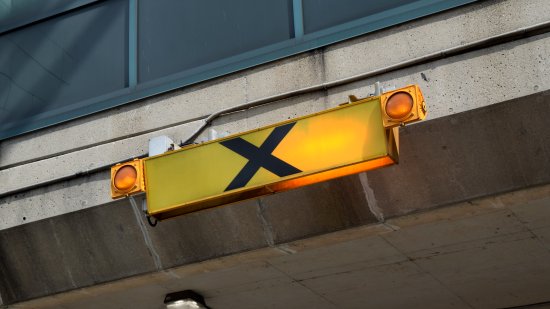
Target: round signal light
{"x": 399, "y": 105}
{"x": 125, "y": 178}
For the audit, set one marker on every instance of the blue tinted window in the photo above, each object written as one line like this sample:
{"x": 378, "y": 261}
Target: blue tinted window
{"x": 50, "y": 69}
{"x": 177, "y": 35}
{"x": 15, "y": 13}
{"x": 322, "y": 14}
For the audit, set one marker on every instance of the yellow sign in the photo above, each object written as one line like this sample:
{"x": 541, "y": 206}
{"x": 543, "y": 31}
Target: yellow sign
{"x": 344, "y": 140}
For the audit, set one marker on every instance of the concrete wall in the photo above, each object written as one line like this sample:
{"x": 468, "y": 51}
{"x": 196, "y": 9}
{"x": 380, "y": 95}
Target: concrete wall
{"x": 61, "y": 173}
{"x": 451, "y": 85}
{"x": 485, "y": 253}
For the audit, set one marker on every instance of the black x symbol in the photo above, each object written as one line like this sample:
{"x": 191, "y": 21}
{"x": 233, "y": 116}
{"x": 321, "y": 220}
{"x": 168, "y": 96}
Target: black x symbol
{"x": 260, "y": 157}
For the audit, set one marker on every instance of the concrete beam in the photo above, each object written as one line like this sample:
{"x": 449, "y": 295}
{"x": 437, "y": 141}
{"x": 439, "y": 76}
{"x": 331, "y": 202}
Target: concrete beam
{"x": 498, "y": 148}
{"x": 113, "y": 241}
{"x": 489, "y": 253}
{"x": 444, "y": 161}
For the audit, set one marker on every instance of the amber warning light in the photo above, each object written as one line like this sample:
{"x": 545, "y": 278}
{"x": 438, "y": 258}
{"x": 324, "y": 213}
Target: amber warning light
{"x": 127, "y": 178}
{"x": 402, "y": 106}
{"x": 351, "y": 138}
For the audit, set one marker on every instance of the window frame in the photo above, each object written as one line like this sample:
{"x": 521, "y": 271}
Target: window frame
{"x": 299, "y": 44}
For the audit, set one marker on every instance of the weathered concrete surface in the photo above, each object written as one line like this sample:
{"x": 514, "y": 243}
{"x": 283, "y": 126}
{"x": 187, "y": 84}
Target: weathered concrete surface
{"x": 61, "y": 253}
{"x": 211, "y": 233}
{"x": 472, "y": 80}
{"x": 316, "y": 209}
{"x": 114, "y": 241}
{"x": 56, "y": 199}
{"x": 488, "y": 253}
{"x": 432, "y": 34}
{"x": 498, "y": 148}
{"x": 458, "y": 254}
{"x": 478, "y": 139}
{"x": 104, "y": 243}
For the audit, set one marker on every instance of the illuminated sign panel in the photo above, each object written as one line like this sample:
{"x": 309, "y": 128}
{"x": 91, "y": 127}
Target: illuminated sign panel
{"x": 352, "y": 138}
{"x": 337, "y": 142}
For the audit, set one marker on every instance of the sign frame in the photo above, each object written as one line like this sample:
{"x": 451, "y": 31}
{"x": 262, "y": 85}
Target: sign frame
{"x": 237, "y": 194}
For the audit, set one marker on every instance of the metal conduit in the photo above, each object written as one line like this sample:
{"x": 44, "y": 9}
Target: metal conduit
{"x": 519, "y": 33}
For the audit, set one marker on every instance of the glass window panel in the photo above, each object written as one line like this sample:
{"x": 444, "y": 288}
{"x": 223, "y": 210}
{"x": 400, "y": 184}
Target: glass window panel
{"x": 177, "y": 35}
{"x": 322, "y": 14}
{"x": 46, "y": 69}
{"x": 15, "y": 13}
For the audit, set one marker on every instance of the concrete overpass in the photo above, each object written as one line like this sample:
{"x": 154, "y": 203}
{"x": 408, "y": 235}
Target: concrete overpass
{"x": 461, "y": 222}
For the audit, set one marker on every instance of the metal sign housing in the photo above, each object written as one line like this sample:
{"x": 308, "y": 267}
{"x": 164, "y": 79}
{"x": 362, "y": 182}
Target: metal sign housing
{"x": 344, "y": 140}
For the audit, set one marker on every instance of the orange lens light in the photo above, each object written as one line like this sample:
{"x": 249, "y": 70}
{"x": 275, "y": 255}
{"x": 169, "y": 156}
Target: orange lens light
{"x": 399, "y": 105}
{"x": 125, "y": 178}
